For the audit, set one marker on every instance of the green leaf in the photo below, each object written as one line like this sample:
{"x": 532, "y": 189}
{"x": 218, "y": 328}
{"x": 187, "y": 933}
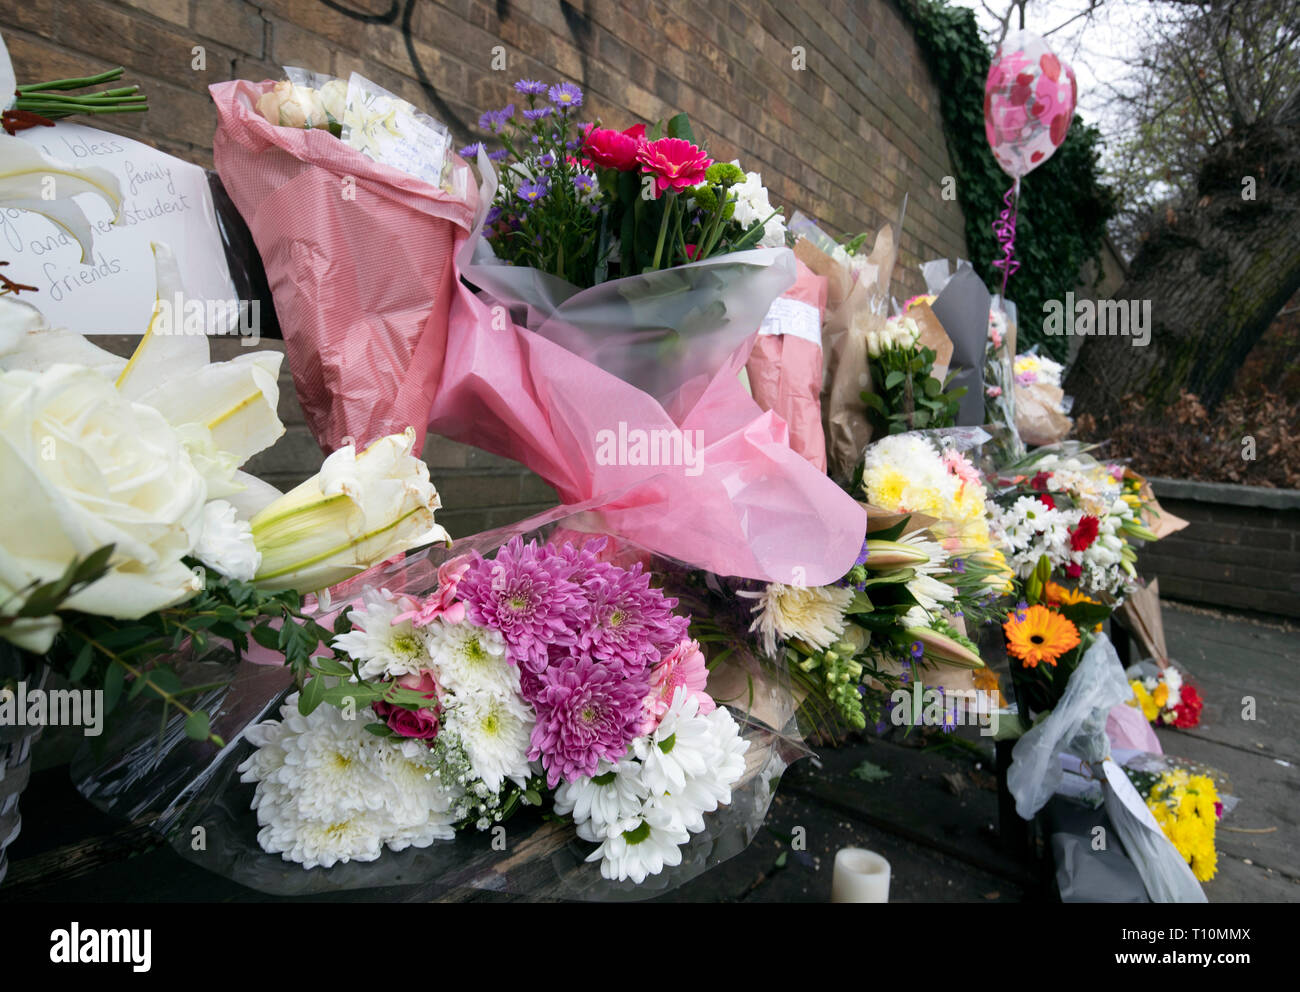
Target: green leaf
{"x": 679, "y": 126}
{"x": 533, "y": 797}
{"x": 82, "y": 663}
{"x": 874, "y": 402}
{"x": 113, "y": 679}
{"x": 197, "y": 726}
{"x": 894, "y": 378}
{"x": 312, "y": 695}
{"x": 266, "y": 636}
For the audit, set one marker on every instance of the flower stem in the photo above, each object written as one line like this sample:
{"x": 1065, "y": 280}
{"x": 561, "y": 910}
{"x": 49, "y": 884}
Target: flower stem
{"x": 670, "y": 201}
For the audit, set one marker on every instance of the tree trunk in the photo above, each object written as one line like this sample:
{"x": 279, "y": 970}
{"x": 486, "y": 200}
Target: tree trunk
{"x": 1216, "y": 271}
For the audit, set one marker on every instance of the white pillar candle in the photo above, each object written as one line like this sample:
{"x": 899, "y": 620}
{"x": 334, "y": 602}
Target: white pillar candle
{"x": 860, "y": 876}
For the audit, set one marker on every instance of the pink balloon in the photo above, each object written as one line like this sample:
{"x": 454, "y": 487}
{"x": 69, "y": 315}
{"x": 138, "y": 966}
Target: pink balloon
{"x": 1029, "y": 100}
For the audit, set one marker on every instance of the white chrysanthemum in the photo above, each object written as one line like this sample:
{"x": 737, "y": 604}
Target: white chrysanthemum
{"x": 602, "y": 803}
{"x": 384, "y": 649}
{"x": 470, "y": 659}
{"x": 753, "y": 206}
{"x": 643, "y": 849}
{"x": 1174, "y": 680}
{"x": 706, "y": 792}
{"x": 329, "y": 791}
{"x": 494, "y": 731}
{"x": 906, "y": 472}
{"x": 225, "y": 543}
{"x": 680, "y": 748}
{"x": 814, "y": 614}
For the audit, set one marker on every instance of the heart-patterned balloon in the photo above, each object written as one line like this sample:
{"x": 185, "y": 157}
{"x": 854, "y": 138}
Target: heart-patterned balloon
{"x": 1029, "y": 100}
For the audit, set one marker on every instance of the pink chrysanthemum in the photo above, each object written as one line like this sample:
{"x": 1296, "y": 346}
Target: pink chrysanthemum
{"x": 526, "y": 595}
{"x": 630, "y": 624}
{"x": 585, "y": 711}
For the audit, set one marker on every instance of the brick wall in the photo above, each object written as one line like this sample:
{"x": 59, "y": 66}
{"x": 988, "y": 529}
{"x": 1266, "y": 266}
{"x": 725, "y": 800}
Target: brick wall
{"x": 1241, "y": 550}
{"x": 842, "y": 139}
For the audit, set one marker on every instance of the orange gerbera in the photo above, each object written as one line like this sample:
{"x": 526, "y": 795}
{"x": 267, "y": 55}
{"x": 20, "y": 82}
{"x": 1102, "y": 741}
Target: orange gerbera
{"x": 1040, "y": 636}
{"x": 1058, "y": 595}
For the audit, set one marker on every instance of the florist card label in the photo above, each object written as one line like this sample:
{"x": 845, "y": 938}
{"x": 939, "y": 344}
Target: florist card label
{"x": 164, "y": 199}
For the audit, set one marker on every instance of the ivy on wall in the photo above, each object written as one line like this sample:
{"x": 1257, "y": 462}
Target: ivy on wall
{"x": 1063, "y": 205}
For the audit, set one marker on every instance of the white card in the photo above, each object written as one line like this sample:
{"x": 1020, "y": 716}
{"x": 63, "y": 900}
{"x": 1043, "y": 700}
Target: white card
{"x": 164, "y": 199}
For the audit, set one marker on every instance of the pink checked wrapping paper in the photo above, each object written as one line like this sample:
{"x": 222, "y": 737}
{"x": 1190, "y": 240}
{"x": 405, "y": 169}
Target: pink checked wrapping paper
{"x": 381, "y": 333}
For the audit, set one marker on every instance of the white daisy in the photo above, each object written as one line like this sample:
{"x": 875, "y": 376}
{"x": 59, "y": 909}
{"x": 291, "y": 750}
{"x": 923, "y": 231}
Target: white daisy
{"x": 680, "y": 748}
{"x": 604, "y": 801}
{"x": 643, "y": 849}
{"x": 384, "y": 649}
{"x": 470, "y": 659}
{"x": 494, "y": 730}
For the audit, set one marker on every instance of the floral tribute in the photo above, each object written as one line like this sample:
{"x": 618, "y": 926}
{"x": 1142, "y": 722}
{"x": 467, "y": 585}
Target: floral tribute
{"x": 544, "y": 669}
{"x": 590, "y": 203}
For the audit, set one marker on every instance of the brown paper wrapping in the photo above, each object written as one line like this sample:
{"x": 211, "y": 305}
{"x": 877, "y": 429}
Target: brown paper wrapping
{"x": 852, "y": 310}
{"x": 1039, "y": 418}
{"x": 932, "y": 336}
{"x": 1154, "y": 517}
{"x": 1141, "y": 613}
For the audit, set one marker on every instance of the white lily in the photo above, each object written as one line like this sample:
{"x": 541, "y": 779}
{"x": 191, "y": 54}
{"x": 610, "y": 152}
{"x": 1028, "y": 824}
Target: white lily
{"x": 28, "y": 175}
{"x": 357, "y": 511}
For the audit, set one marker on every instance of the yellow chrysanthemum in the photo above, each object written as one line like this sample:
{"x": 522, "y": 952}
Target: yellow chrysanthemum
{"x": 1142, "y": 699}
{"x": 884, "y": 487}
{"x": 1186, "y": 807}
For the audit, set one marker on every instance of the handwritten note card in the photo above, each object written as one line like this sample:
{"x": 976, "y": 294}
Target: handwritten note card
{"x": 164, "y": 199}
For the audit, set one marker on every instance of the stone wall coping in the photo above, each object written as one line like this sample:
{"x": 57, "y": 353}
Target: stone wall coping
{"x": 1226, "y": 492}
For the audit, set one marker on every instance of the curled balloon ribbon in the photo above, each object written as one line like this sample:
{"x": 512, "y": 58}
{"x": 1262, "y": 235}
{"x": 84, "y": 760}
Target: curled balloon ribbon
{"x": 1005, "y": 230}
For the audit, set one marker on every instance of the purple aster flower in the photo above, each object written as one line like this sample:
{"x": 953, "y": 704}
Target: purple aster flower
{"x": 537, "y": 113}
{"x": 525, "y": 594}
{"x": 497, "y": 156}
{"x": 583, "y": 183}
{"x": 863, "y": 555}
{"x": 585, "y": 712}
{"x": 471, "y": 151}
{"x": 495, "y": 120}
{"x": 917, "y": 649}
{"x": 958, "y": 566}
{"x": 530, "y": 87}
{"x": 493, "y": 215}
{"x": 565, "y": 96}
{"x": 546, "y": 161}
{"x": 881, "y": 727}
{"x": 573, "y": 144}
{"x": 534, "y": 191}
{"x": 631, "y": 625}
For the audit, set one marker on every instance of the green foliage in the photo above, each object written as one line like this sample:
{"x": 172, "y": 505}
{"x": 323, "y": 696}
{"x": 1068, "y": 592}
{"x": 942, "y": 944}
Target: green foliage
{"x": 1063, "y": 205}
{"x": 907, "y": 396}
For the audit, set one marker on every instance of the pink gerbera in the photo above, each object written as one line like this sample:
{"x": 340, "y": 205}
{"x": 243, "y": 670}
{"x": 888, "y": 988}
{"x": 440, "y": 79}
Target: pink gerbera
{"x": 684, "y": 666}
{"x": 675, "y": 164}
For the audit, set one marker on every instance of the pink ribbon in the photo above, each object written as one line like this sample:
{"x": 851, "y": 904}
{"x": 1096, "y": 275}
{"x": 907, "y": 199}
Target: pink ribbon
{"x": 1005, "y": 230}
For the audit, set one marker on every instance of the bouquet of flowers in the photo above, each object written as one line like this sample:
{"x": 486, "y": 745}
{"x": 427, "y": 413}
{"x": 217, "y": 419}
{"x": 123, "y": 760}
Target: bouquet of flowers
{"x": 545, "y": 668}
{"x": 588, "y": 203}
{"x": 1070, "y": 509}
{"x": 1186, "y": 804}
{"x": 462, "y": 693}
{"x": 908, "y": 393}
{"x": 1041, "y": 407}
{"x": 360, "y": 331}
{"x": 1164, "y": 696}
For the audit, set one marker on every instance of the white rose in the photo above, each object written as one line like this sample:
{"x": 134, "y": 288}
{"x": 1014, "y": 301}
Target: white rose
{"x": 82, "y": 467}
{"x": 226, "y": 544}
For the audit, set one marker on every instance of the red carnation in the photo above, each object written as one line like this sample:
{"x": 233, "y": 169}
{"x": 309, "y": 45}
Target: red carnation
{"x": 1084, "y": 533}
{"x": 1187, "y": 713}
{"x": 1047, "y": 501}
{"x": 1039, "y": 481}
{"x": 1073, "y": 570}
